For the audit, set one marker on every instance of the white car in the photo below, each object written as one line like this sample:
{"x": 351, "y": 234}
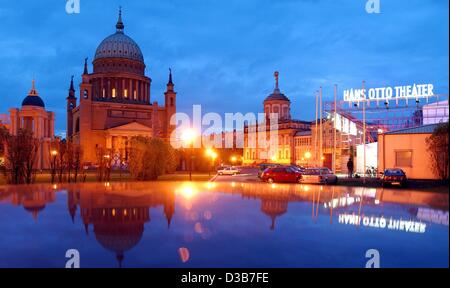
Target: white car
{"x": 318, "y": 176}
{"x": 228, "y": 171}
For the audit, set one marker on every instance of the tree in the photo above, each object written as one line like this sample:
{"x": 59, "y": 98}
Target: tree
{"x": 437, "y": 145}
{"x": 30, "y": 151}
{"x": 150, "y": 158}
{"x": 21, "y": 153}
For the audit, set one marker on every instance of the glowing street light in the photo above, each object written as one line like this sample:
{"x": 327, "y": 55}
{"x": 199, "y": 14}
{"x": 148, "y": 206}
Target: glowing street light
{"x": 54, "y": 153}
{"x": 188, "y": 137}
{"x": 307, "y": 156}
{"x": 213, "y": 155}
{"x": 233, "y": 159}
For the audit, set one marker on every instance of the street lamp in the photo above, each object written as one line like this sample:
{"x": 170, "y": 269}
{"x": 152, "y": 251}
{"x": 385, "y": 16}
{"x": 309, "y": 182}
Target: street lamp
{"x": 188, "y": 137}
{"x": 307, "y": 156}
{"x": 233, "y": 159}
{"x": 213, "y": 155}
{"x": 54, "y": 153}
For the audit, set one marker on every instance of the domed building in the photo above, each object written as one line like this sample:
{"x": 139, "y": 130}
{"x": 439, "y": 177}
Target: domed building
{"x": 33, "y": 117}
{"x": 283, "y": 139}
{"x": 115, "y": 102}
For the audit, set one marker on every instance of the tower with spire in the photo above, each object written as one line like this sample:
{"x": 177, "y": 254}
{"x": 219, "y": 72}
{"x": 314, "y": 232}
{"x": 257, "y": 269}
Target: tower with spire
{"x": 71, "y": 104}
{"x": 170, "y": 104}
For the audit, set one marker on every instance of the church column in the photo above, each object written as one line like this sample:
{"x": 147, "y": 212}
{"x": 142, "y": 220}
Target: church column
{"x": 145, "y": 91}
{"x": 122, "y": 89}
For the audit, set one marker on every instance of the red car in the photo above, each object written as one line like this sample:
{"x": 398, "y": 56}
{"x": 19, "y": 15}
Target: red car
{"x": 281, "y": 174}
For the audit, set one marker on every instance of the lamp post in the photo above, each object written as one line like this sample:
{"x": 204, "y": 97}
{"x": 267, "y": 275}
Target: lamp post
{"x": 54, "y": 153}
{"x": 188, "y": 138}
{"x": 213, "y": 155}
{"x": 307, "y": 156}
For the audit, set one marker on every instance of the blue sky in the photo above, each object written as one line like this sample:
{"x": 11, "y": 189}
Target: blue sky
{"x": 223, "y": 53}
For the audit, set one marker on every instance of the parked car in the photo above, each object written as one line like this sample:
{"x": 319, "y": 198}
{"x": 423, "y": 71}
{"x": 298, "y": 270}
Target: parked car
{"x": 300, "y": 169}
{"x": 264, "y": 166}
{"x": 228, "y": 171}
{"x": 394, "y": 177}
{"x": 281, "y": 174}
{"x": 319, "y": 176}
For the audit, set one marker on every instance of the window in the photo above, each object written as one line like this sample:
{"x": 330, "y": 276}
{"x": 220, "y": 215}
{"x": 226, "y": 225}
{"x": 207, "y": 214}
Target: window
{"x": 113, "y": 93}
{"x": 104, "y": 93}
{"x": 403, "y": 158}
{"x": 134, "y": 95}
{"x": 125, "y": 93}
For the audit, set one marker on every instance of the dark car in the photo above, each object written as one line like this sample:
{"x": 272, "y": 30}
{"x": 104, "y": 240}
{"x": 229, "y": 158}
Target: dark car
{"x": 394, "y": 177}
{"x": 281, "y": 174}
{"x": 264, "y": 166}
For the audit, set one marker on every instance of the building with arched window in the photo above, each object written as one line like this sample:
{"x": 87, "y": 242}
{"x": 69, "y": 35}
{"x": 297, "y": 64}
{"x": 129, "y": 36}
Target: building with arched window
{"x": 115, "y": 102}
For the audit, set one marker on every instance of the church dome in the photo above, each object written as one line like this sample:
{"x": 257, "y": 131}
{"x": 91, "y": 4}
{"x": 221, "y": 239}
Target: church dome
{"x": 33, "y": 98}
{"x": 119, "y": 45}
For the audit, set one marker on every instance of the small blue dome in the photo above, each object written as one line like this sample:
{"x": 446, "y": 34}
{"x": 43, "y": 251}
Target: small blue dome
{"x": 33, "y": 100}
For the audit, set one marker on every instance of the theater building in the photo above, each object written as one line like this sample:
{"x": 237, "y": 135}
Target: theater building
{"x": 115, "y": 101}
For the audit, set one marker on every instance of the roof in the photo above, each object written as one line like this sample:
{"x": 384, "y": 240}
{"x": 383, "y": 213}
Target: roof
{"x": 425, "y": 129}
{"x": 303, "y": 133}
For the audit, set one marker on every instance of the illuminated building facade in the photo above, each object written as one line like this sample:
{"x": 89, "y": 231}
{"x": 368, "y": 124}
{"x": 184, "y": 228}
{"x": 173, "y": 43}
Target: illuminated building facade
{"x": 115, "y": 102}
{"x": 33, "y": 117}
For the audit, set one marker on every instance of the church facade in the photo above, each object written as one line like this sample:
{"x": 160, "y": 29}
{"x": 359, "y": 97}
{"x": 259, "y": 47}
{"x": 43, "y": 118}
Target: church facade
{"x": 114, "y": 101}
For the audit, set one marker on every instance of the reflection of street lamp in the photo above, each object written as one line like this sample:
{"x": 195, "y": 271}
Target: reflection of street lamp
{"x": 233, "y": 159}
{"x": 54, "y": 153}
{"x": 188, "y": 137}
{"x": 307, "y": 156}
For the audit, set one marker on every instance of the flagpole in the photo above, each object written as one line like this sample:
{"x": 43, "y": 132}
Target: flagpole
{"x": 334, "y": 128}
{"x": 364, "y": 129}
{"x": 317, "y": 129}
{"x": 321, "y": 128}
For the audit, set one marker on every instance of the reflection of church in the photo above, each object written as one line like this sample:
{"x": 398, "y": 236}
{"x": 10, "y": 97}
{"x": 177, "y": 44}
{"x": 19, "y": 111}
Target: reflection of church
{"x": 34, "y": 200}
{"x": 115, "y": 100}
{"x": 118, "y": 218}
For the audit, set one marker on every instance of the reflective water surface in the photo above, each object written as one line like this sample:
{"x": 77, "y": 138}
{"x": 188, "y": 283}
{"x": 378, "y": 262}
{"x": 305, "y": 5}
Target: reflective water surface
{"x": 221, "y": 225}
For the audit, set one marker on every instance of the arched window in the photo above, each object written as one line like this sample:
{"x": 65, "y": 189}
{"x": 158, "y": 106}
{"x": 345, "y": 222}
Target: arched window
{"x": 113, "y": 93}
{"x": 77, "y": 125}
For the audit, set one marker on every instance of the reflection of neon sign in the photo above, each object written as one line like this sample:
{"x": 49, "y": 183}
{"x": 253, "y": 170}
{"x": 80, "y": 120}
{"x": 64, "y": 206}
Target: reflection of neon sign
{"x": 383, "y": 223}
{"x": 342, "y": 202}
{"x": 415, "y": 91}
{"x": 434, "y": 216}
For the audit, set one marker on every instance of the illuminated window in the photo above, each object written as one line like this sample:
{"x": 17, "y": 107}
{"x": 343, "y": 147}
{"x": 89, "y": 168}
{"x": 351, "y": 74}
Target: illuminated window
{"x": 125, "y": 93}
{"x": 104, "y": 93}
{"x": 113, "y": 93}
{"x": 134, "y": 95}
{"x": 403, "y": 158}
